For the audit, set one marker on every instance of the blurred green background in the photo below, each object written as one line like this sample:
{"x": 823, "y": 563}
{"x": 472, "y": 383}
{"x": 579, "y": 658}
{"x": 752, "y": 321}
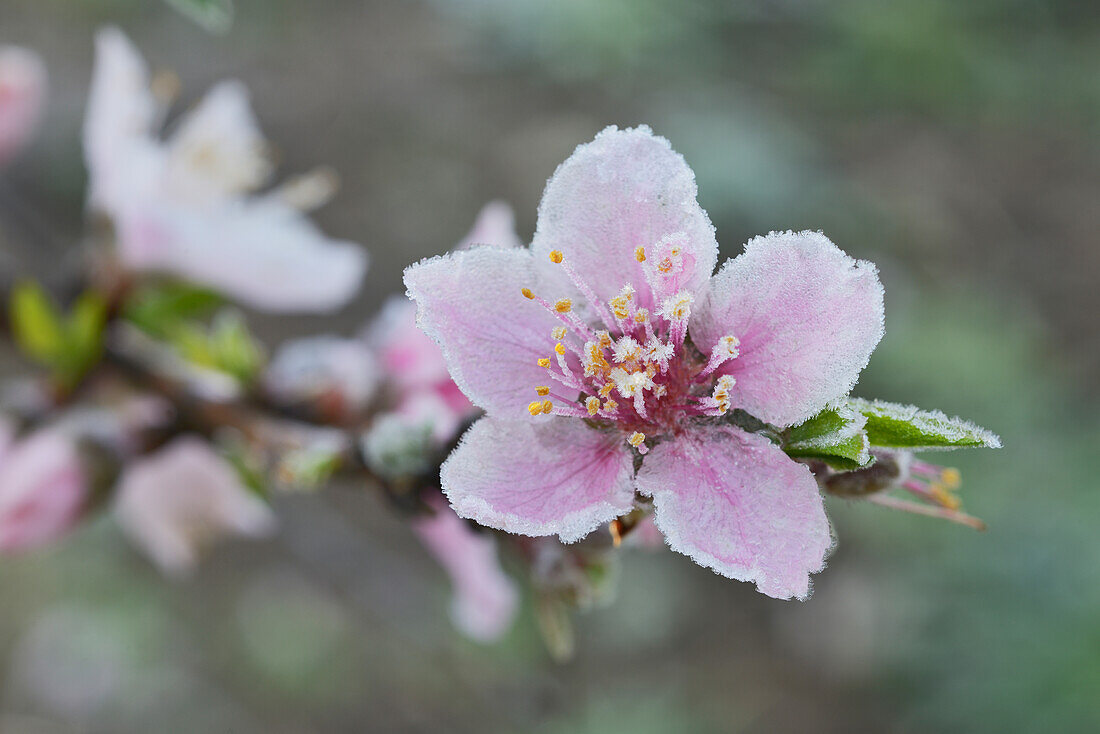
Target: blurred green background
{"x": 953, "y": 143}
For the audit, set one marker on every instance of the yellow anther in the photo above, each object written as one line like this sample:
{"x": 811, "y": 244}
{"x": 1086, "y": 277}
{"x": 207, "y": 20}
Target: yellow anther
{"x": 642, "y": 315}
{"x": 593, "y": 405}
{"x": 609, "y": 405}
{"x": 527, "y": 293}
{"x": 951, "y": 478}
{"x": 636, "y": 439}
{"x": 547, "y": 406}
{"x": 945, "y": 498}
{"x": 563, "y": 306}
{"x": 558, "y": 332}
{"x": 559, "y": 348}
{"x": 544, "y": 362}
{"x": 542, "y": 390}
{"x": 556, "y": 256}
{"x": 604, "y": 338}
{"x": 606, "y": 389}
{"x": 535, "y": 408}
{"x": 639, "y": 254}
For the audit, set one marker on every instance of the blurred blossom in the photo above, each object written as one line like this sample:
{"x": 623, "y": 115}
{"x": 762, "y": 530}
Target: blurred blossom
{"x": 42, "y": 487}
{"x": 485, "y": 598}
{"x": 176, "y": 502}
{"x": 495, "y": 225}
{"x": 183, "y": 206}
{"x": 576, "y": 390}
{"x": 22, "y": 97}
{"x": 338, "y": 374}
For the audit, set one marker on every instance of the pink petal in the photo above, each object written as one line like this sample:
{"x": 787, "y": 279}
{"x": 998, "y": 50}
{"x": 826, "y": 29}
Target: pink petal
{"x": 492, "y": 337}
{"x": 174, "y": 502}
{"x": 22, "y": 97}
{"x": 495, "y": 225}
{"x": 625, "y": 189}
{"x": 485, "y": 598}
{"x": 555, "y": 477}
{"x": 807, "y": 315}
{"x": 42, "y": 490}
{"x": 737, "y": 504}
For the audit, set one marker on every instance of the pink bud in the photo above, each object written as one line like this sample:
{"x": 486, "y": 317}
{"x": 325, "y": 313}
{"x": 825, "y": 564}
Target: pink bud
{"x": 22, "y": 97}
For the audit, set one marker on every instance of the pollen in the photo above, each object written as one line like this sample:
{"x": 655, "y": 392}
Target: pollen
{"x": 639, "y": 254}
{"x": 641, "y": 315}
{"x": 544, "y": 362}
{"x": 556, "y": 256}
{"x": 636, "y": 439}
{"x": 564, "y": 305}
{"x": 730, "y": 345}
{"x": 558, "y": 332}
{"x": 542, "y": 390}
{"x": 559, "y": 348}
{"x": 951, "y": 478}
{"x": 610, "y": 405}
{"x": 535, "y": 408}
{"x": 527, "y": 293}
{"x": 593, "y": 405}
{"x": 678, "y": 307}
{"x": 547, "y": 406}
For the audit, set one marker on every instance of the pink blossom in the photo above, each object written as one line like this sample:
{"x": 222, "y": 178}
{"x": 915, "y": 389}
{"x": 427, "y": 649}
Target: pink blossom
{"x": 177, "y": 501}
{"x": 578, "y": 351}
{"x": 485, "y": 599}
{"x": 184, "y": 206}
{"x": 338, "y": 374}
{"x": 42, "y": 488}
{"x": 22, "y": 97}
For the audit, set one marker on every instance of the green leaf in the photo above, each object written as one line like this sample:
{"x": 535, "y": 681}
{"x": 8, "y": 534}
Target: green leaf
{"x": 67, "y": 346}
{"x": 895, "y": 425}
{"x": 226, "y": 346}
{"x": 215, "y": 16}
{"x": 36, "y": 324}
{"x": 158, "y": 309}
{"x": 835, "y": 436}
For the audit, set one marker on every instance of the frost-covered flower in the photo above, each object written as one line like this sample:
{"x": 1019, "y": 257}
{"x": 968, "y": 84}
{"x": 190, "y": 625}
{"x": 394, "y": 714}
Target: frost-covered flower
{"x": 578, "y": 351}
{"x": 485, "y": 598}
{"x": 177, "y": 501}
{"x": 339, "y": 375}
{"x": 42, "y": 488}
{"x": 22, "y": 97}
{"x": 183, "y": 206}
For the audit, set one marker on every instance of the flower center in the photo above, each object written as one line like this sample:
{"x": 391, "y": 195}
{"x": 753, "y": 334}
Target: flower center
{"x": 634, "y": 369}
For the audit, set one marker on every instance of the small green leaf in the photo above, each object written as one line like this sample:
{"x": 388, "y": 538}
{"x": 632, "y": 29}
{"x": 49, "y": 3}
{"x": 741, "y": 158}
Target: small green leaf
{"x": 85, "y": 326}
{"x": 894, "y": 425}
{"x": 36, "y": 324}
{"x": 157, "y": 309}
{"x": 215, "y": 16}
{"x": 835, "y": 436}
{"x": 226, "y": 346}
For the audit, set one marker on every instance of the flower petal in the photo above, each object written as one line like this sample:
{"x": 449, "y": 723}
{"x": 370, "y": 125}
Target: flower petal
{"x": 22, "y": 97}
{"x": 737, "y": 504}
{"x": 625, "y": 189}
{"x": 807, "y": 316}
{"x": 495, "y": 225}
{"x": 556, "y": 477}
{"x": 42, "y": 490}
{"x": 492, "y": 337}
{"x": 262, "y": 253}
{"x": 485, "y": 598}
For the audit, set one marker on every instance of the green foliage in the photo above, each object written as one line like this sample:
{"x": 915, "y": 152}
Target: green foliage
{"x": 895, "y": 425}
{"x": 835, "y": 436}
{"x": 226, "y": 345}
{"x": 67, "y": 345}
{"x": 158, "y": 309}
{"x": 215, "y": 16}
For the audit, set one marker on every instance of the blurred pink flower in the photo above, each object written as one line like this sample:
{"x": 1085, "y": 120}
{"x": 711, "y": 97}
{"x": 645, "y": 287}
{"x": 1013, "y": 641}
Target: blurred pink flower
{"x": 578, "y": 385}
{"x": 339, "y": 374}
{"x": 42, "y": 488}
{"x": 22, "y": 97}
{"x": 176, "y": 502}
{"x": 485, "y": 598}
{"x": 184, "y": 206}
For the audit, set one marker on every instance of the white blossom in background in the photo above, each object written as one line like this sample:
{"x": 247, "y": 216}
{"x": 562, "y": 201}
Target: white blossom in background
{"x": 339, "y": 374}
{"x": 186, "y": 205}
{"x": 176, "y": 502}
{"x": 22, "y": 97}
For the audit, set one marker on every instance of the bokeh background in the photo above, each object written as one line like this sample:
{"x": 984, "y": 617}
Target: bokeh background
{"x": 953, "y": 143}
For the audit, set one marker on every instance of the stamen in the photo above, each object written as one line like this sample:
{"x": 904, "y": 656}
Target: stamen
{"x": 544, "y": 362}
{"x": 527, "y": 293}
{"x": 563, "y": 305}
{"x": 547, "y": 406}
{"x": 542, "y": 390}
{"x": 677, "y": 311}
{"x": 556, "y": 256}
{"x": 639, "y": 254}
{"x": 559, "y": 332}
{"x": 535, "y": 408}
{"x": 725, "y": 349}
{"x": 637, "y": 440}
{"x": 559, "y": 348}
{"x": 593, "y": 405}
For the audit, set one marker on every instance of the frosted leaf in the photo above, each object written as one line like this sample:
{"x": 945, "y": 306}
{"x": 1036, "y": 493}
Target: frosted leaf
{"x": 897, "y": 425}
{"x": 556, "y": 477}
{"x": 835, "y": 436}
